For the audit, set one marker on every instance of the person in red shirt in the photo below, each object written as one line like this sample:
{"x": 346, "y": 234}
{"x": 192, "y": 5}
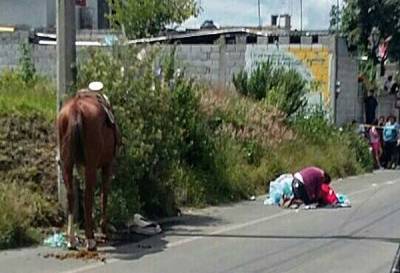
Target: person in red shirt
{"x": 307, "y": 184}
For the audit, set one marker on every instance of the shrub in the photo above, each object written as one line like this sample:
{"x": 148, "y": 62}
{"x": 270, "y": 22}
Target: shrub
{"x": 348, "y": 152}
{"x": 258, "y": 83}
{"x": 19, "y": 96}
{"x": 186, "y": 146}
{"x": 162, "y": 128}
{"x": 18, "y": 229}
{"x": 282, "y": 88}
{"x": 27, "y": 70}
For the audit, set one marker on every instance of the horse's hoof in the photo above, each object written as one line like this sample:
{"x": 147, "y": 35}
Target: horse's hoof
{"x": 71, "y": 246}
{"x": 91, "y": 245}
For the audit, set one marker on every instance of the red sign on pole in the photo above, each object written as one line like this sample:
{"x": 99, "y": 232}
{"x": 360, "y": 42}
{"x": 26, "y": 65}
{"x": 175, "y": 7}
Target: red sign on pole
{"x": 81, "y": 3}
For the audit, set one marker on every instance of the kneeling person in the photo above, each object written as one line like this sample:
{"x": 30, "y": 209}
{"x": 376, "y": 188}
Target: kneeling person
{"x": 307, "y": 184}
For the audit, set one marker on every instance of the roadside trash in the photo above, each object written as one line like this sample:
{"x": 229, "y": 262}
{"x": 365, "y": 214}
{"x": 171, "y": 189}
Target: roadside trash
{"x": 83, "y": 255}
{"x": 252, "y": 198}
{"x": 143, "y": 226}
{"x": 311, "y": 206}
{"x": 280, "y": 189}
{"x": 110, "y": 40}
{"x": 56, "y": 240}
{"x": 343, "y": 201}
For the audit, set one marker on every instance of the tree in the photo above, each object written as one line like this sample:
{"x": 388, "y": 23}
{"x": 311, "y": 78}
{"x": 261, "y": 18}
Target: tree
{"x": 334, "y": 14}
{"x": 360, "y": 17}
{"x": 143, "y": 18}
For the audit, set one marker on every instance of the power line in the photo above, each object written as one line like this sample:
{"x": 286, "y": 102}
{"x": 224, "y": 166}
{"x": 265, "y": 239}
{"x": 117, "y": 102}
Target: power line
{"x": 301, "y": 15}
{"x": 259, "y": 14}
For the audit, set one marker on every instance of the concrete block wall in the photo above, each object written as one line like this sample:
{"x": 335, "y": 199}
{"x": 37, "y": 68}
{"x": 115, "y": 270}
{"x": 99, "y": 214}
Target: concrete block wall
{"x": 45, "y": 60}
{"x": 349, "y": 103}
{"x": 199, "y": 61}
{"x": 212, "y": 64}
{"x": 386, "y": 106}
{"x": 234, "y": 62}
{"x": 10, "y": 48}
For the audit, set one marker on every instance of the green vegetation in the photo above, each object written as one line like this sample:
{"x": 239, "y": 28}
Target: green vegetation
{"x": 22, "y": 211}
{"x": 359, "y": 17}
{"x": 182, "y": 145}
{"x": 280, "y": 87}
{"x": 145, "y": 18}
{"x": 23, "y": 91}
{"x": 27, "y": 154}
{"x": 18, "y": 96}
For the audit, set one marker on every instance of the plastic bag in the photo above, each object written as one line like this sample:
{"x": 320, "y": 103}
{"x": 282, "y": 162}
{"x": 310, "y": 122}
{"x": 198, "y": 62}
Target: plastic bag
{"x": 279, "y": 189}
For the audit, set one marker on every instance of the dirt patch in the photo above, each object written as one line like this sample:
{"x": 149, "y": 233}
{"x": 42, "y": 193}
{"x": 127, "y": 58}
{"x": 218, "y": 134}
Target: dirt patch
{"x": 77, "y": 255}
{"x": 28, "y": 151}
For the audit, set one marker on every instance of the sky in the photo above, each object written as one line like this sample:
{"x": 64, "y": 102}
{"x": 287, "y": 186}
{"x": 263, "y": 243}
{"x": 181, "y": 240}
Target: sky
{"x": 245, "y": 12}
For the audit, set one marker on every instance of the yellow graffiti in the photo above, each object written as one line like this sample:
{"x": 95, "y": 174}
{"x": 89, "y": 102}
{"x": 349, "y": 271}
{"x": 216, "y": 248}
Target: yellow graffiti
{"x": 317, "y": 62}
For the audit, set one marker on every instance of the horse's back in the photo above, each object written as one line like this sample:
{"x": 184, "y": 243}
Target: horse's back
{"x": 97, "y": 138}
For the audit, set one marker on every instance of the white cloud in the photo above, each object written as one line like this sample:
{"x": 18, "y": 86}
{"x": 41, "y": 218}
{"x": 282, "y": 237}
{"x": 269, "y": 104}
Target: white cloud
{"x": 245, "y": 12}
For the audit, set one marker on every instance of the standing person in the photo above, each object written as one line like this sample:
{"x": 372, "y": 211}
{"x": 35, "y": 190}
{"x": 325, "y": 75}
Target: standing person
{"x": 381, "y": 124}
{"x": 307, "y": 183}
{"x": 370, "y": 107}
{"x": 375, "y": 142}
{"x": 390, "y": 135}
{"x": 387, "y": 86}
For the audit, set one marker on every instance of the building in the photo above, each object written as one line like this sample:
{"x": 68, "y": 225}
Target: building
{"x": 213, "y": 56}
{"x": 41, "y": 14}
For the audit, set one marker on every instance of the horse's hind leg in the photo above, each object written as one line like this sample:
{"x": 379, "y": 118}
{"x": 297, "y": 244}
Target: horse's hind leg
{"x": 90, "y": 175}
{"x": 68, "y": 180}
{"x": 105, "y": 187}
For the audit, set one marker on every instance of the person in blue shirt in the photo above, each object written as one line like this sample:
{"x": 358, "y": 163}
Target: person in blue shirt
{"x": 390, "y": 137}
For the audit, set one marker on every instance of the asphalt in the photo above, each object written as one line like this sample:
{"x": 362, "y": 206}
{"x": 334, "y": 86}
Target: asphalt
{"x": 250, "y": 237}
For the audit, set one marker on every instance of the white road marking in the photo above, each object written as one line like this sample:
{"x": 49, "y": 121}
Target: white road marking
{"x": 231, "y": 228}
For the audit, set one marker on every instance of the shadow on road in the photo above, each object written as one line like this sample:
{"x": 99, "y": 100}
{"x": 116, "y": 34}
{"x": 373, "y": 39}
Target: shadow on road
{"x": 130, "y": 246}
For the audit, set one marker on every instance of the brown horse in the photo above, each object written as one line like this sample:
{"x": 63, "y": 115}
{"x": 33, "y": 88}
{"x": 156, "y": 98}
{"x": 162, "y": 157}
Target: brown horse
{"x": 87, "y": 139}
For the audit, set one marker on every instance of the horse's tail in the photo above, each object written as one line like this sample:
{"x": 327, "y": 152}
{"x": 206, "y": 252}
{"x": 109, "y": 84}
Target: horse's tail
{"x": 76, "y": 134}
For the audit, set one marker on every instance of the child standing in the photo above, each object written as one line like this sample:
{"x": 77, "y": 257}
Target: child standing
{"x": 375, "y": 142}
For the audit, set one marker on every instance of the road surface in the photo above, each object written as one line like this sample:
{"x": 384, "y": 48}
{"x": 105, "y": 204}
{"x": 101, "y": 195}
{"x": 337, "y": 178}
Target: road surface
{"x": 250, "y": 237}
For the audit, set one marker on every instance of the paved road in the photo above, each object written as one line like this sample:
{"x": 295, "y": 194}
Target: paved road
{"x": 249, "y": 237}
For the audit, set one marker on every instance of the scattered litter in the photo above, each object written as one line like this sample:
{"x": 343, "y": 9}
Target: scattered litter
{"x": 343, "y": 201}
{"x": 252, "y": 198}
{"x": 78, "y": 255}
{"x": 311, "y": 206}
{"x": 57, "y": 240}
{"x": 143, "y": 226}
{"x": 280, "y": 190}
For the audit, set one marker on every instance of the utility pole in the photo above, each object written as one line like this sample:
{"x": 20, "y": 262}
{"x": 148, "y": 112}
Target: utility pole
{"x": 66, "y": 65}
{"x": 337, "y": 83}
{"x": 259, "y": 14}
{"x": 337, "y": 16}
{"x": 301, "y": 15}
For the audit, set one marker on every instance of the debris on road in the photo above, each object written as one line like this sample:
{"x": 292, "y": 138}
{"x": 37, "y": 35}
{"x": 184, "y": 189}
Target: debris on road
{"x": 143, "y": 226}
{"x": 280, "y": 190}
{"x": 57, "y": 240}
{"x": 77, "y": 255}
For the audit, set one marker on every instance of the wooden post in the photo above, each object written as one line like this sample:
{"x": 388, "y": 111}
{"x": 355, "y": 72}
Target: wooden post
{"x": 66, "y": 66}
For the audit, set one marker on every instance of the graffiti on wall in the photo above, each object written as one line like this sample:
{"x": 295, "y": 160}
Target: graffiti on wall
{"x": 313, "y": 63}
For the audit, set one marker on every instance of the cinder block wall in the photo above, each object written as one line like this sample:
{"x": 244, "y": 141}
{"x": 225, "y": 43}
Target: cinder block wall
{"x": 213, "y": 65}
{"x": 349, "y": 101}
{"x": 10, "y": 48}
